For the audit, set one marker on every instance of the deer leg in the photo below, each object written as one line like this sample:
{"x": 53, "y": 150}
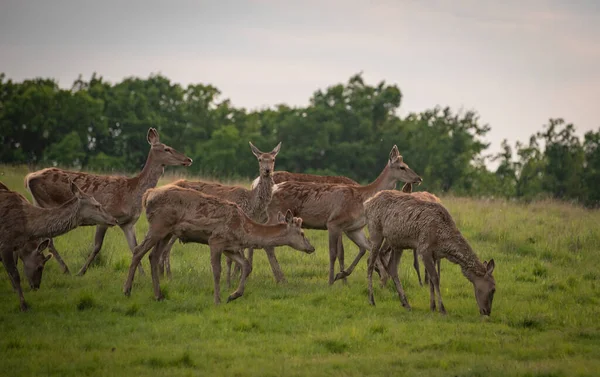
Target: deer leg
{"x": 381, "y": 265}
{"x": 340, "y": 256}
{"x": 13, "y": 273}
{"x": 129, "y": 231}
{"x": 393, "y": 271}
{"x": 59, "y": 260}
{"x": 155, "y": 256}
{"x": 250, "y": 256}
{"x": 376, "y": 240}
{"x": 434, "y": 284}
{"x": 334, "y": 234}
{"x": 149, "y": 242}
{"x": 98, "y": 240}
{"x": 229, "y": 261}
{"x": 360, "y": 239}
{"x": 215, "y": 262}
{"x": 416, "y": 266}
{"x": 277, "y": 272}
{"x": 239, "y": 258}
{"x": 165, "y": 258}
{"x": 237, "y": 268}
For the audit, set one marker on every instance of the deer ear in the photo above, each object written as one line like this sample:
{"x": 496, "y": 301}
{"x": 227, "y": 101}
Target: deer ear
{"x": 255, "y": 150}
{"x": 280, "y": 217}
{"x": 407, "y": 188}
{"x": 289, "y": 216}
{"x": 276, "y": 149}
{"x": 47, "y": 258}
{"x": 43, "y": 245}
{"x": 490, "y": 266}
{"x": 153, "y": 137}
{"x": 75, "y": 189}
{"x": 394, "y": 152}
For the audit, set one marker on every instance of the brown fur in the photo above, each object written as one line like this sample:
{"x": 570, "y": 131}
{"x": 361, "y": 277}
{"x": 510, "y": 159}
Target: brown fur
{"x": 386, "y": 254}
{"x": 406, "y": 222}
{"x": 121, "y": 196}
{"x": 253, "y": 202}
{"x": 192, "y": 216}
{"x": 24, "y": 226}
{"x": 284, "y": 176}
{"x": 338, "y": 208}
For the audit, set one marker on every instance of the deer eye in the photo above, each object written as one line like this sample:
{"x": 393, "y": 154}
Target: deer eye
{"x": 168, "y": 150}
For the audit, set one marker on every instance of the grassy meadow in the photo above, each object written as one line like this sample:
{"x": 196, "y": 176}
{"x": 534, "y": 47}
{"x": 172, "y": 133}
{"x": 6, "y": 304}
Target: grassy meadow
{"x": 545, "y": 319}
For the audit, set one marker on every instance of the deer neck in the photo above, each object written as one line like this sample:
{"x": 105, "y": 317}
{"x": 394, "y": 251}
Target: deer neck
{"x": 260, "y": 198}
{"x": 52, "y": 222}
{"x": 149, "y": 176}
{"x": 384, "y": 181}
{"x": 265, "y": 235}
{"x": 461, "y": 253}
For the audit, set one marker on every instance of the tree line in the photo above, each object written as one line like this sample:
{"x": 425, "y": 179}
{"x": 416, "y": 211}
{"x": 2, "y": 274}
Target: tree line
{"x": 346, "y": 129}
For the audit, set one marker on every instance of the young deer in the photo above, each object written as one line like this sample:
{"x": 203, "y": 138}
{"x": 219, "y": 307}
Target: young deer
{"x": 23, "y": 227}
{"x": 253, "y": 202}
{"x": 406, "y": 222}
{"x": 121, "y": 196}
{"x": 338, "y": 208}
{"x": 192, "y": 216}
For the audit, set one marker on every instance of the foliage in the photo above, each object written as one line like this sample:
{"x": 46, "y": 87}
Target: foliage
{"x": 346, "y": 129}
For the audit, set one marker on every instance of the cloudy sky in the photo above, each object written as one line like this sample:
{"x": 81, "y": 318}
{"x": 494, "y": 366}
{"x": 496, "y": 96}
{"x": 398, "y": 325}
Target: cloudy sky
{"x": 517, "y": 63}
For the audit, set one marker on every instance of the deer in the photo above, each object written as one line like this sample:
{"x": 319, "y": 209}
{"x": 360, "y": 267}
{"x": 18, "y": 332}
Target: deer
{"x": 386, "y": 254}
{"x": 25, "y": 231}
{"x": 120, "y": 195}
{"x": 192, "y": 216}
{"x": 405, "y": 222}
{"x": 338, "y": 208}
{"x": 253, "y": 202}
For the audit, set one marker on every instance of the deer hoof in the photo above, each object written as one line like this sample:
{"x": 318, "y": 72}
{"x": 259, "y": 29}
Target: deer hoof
{"x": 24, "y": 307}
{"x": 341, "y": 275}
{"x": 233, "y": 296}
{"x": 127, "y": 292}
{"x": 160, "y": 297}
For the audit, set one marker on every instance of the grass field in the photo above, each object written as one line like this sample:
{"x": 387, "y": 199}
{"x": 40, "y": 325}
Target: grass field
{"x": 545, "y": 319}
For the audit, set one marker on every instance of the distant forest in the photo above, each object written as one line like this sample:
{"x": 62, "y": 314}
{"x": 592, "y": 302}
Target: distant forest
{"x": 347, "y": 129}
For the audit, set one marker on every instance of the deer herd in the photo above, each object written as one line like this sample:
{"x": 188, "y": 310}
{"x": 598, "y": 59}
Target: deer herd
{"x": 231, "y": 219}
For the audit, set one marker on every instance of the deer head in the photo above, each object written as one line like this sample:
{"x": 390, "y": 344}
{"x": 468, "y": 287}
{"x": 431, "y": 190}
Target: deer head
{"x": 90, "y": 211}
{"x": 295, "y": 233}
{"x": 400, "y": 171}
{"x": 163, "y": 154}
{"x": 266, "y": 161}
{"x": 485, "y": 287}
{"x": 34, "y": 261}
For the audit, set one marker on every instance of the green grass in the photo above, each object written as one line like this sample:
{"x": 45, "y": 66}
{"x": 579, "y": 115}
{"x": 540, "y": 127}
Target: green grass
{"x": 545, "y": 319}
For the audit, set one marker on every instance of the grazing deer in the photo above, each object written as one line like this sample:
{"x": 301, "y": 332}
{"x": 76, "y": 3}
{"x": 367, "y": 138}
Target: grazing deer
{"x": 385, "y": 256}
{"x": 192, "y": 216}
{"x": 253, "y": 202}
{"x": 338, "y": 208}
{"x": 121, "y": 196}
{"x": 24, "y": 225}
{"x": 406, "y": 222}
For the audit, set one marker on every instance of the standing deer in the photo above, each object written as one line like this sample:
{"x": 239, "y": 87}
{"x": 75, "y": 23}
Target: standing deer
{"x": 253, "y": 202}
{"x": 338, "y": 208}
{"x": 121, "y": 196}
{"x": 284, "y": 176}
{"x": 192, "y": 216}
{"x": 24, "y": 225}
{"x": 406, "y": 222}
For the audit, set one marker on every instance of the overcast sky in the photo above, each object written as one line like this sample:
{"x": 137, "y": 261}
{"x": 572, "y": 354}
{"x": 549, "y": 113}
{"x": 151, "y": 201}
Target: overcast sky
{"x": 517, "y": 63}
